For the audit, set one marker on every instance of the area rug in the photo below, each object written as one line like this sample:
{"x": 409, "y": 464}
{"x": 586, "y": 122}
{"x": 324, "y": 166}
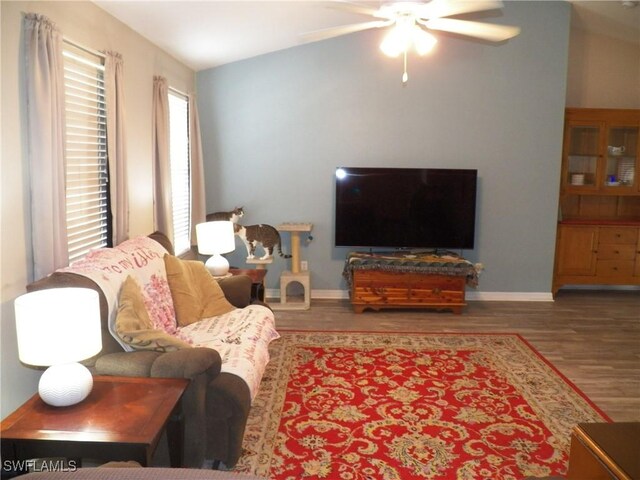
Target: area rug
{"x": 358, "y": 406}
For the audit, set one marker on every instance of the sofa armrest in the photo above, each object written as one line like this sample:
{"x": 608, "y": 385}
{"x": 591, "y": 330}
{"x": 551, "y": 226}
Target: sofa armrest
{"x": 237, "y": 290}
{"x": 127, "y": 364}
{"x": 185, "y": 363}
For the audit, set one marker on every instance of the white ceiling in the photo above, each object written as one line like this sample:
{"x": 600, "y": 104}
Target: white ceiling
{"x": 207, "y": 33}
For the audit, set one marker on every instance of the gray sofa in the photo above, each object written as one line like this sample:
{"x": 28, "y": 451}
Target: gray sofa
{"x": 139, "y": 474}
{"x": 216, "y": 405}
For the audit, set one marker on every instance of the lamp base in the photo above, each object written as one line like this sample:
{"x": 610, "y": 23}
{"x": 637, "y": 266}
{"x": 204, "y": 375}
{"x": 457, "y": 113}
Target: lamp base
{"x": 217, "y": 265}
{"x": 65, "y": 384}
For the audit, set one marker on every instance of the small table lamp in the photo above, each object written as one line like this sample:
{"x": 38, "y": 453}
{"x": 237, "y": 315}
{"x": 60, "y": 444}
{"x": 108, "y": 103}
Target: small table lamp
{"x": 213, "y": 239}
{"x": 57, "y": 328}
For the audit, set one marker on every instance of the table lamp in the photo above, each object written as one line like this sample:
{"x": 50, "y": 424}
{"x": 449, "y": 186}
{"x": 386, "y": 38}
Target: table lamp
{"x": 215, "y": 238}
{"x": 57, "y": 328}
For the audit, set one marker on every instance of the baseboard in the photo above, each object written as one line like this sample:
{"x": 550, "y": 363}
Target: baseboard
{"x": 509, "y": 296}
{"x": 470, "y": 296}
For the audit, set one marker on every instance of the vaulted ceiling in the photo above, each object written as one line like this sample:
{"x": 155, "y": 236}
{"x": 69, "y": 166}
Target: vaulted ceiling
{"x": 205, "y": 34}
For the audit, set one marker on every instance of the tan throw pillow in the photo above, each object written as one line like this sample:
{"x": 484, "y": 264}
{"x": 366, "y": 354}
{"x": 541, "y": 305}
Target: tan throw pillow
{"x": 134, "y": 326}
{"x": 196, "y": 294}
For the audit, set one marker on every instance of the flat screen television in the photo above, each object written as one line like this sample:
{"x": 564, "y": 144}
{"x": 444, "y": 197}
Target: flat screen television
{"x": 419, "y": 208}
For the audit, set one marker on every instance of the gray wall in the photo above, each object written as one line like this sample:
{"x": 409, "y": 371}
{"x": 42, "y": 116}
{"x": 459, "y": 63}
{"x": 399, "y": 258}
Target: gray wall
{"x": 275, "y": 127}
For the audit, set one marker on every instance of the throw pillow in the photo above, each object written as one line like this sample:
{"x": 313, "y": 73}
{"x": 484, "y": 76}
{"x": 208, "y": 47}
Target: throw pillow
{"x": 134, "y": 327}
{"x": 196, "y": 294}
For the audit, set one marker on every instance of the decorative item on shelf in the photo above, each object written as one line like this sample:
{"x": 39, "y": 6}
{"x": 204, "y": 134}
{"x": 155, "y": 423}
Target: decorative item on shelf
{"x": 626, "y": 171}
{"x": 215, "y": 238}
{"x": 577, "y": 179}
{"x": 616, "y": 150}
{"x": 57, "y": 328}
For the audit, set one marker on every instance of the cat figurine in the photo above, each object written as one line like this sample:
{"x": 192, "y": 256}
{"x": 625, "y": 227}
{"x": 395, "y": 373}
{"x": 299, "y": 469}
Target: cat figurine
{"x": 266, "y": 235}
{"x": 232, "y": 216}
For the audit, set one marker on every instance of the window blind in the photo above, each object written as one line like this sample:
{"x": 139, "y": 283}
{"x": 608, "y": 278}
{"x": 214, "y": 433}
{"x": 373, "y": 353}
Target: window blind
{"x": 180, "y": 170}
{"x": 87, "y": 193}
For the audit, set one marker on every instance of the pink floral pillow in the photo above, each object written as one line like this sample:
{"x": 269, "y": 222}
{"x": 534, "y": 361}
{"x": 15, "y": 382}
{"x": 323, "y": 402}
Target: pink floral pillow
{"x": 159, "y": 304}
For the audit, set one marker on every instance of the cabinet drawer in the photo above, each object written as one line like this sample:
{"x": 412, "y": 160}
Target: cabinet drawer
{"x": 615, "y": 268}
{"x": 616, "y": 252}
{"x": 617, "y": 236}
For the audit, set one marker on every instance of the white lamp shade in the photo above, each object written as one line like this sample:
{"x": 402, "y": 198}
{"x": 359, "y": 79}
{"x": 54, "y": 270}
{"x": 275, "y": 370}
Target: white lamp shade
{"x": 58, "y": 325}
{"x": 215, "y": 237}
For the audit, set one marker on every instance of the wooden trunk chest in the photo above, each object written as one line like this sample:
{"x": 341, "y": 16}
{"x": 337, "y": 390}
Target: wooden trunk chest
{"x": 377, "y": 289}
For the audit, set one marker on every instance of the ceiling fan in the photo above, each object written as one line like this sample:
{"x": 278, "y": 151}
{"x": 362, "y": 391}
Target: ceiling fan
{"x": 411, "y": 21}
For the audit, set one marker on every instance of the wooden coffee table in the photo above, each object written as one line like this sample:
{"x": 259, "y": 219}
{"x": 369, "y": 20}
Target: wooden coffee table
{"x": 122, "y": 419}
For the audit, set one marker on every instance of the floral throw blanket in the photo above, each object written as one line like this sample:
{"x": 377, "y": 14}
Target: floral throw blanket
{"x": 143, "y": 259}
{"x": 241, "y": 337}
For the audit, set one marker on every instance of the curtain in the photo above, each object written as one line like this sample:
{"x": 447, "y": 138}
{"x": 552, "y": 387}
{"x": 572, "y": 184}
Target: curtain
{"x": 118, "y": 183}
{"x": 161, "y": 166}
{"x": 45, "y": 144}
{"x": 198, "y": 201}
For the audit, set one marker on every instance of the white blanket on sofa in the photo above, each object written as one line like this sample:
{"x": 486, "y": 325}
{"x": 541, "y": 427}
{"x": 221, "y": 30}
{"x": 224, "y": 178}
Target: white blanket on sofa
{"x": 241, "y": 337}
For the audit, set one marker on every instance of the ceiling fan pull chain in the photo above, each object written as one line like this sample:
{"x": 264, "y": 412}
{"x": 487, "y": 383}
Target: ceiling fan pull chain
{"x": 405, "y": 76}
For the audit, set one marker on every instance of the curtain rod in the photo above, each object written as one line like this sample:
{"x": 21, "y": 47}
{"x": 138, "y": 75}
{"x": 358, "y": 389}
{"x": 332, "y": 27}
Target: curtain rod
{"x": 86, "y": 49}
{"x": 175, "y": 90}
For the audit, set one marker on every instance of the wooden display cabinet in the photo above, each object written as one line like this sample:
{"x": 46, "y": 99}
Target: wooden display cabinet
{"x": 598, "y": 232}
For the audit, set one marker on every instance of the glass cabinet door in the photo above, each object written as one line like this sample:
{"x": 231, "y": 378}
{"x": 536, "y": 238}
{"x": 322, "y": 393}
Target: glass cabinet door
{"x": 582, "y": 155}
{"x": 622, "y": 147}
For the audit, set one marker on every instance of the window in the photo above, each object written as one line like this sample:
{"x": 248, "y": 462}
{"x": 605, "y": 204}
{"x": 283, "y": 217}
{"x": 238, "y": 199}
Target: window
{"x": 180, "y": 170}
{"x": 87, "y": 189}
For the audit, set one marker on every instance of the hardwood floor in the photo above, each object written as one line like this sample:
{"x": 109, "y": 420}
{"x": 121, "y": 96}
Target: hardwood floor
{"x": 591, "y": 337}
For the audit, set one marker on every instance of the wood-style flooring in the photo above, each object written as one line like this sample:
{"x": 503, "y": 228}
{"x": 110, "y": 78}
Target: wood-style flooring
{"x": 591, "y": 337}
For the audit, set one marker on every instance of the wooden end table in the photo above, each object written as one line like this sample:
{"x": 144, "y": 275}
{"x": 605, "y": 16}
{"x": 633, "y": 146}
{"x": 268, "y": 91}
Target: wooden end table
{"x": 605, "y": 451}
{"x": 122, "y": 419}
{"x": 257, "y": 276}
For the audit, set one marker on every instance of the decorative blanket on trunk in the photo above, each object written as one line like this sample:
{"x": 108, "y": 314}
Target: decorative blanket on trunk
{"x": 426, "y": 262}
{"x": 241, "y": 336}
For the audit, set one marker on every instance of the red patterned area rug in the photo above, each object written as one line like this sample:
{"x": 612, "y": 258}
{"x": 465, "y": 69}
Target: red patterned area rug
{"x": 355, "y": 406}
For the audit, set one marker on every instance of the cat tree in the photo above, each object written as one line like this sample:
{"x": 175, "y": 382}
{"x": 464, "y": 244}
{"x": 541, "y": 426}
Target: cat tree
{"x": 296, "y": 274}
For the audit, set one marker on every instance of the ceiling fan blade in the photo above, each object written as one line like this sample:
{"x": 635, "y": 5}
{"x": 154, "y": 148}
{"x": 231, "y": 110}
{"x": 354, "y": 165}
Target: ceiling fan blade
{"x": 447, "y": 8}
{"x": 485, "y": 31}
{"x": 343, "y": 30}
{"x": 353, "y": 7}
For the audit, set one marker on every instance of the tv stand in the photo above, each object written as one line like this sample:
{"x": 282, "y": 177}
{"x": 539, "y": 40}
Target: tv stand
{"x": 400, "y": 280}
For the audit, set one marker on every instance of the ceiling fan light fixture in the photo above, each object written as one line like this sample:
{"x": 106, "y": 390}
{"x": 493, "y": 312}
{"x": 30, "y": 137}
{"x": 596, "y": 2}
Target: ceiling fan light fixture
{"x": 399, "y": 38}
{"x": 422, "y": 41}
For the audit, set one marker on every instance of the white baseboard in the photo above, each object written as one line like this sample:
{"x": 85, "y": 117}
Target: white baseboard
{"x": 470, "y": 296}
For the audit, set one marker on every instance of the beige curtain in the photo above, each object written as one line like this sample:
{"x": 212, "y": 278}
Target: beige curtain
{"x": 45, "y": 130}
{"x": 118, "y": 183}
{"x": 162, "y": 168}
{"x": 198, "y": 200}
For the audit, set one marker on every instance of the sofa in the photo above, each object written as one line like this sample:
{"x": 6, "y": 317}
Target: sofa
{"x": 217, "y": 402}
{"x": 133, "y": 471}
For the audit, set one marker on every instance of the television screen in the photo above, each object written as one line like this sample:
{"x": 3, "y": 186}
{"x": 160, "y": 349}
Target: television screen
{"x": 405, "y": 207}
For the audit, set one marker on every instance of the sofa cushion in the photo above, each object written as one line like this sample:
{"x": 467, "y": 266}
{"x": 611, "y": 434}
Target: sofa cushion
{"x": 134, "y": 327}
{"x": 196, "y": 294}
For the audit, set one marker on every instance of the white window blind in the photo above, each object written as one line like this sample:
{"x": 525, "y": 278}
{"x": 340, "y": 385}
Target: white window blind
{"x": 180, "y": 171}
{"x": 85, "y": 152}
